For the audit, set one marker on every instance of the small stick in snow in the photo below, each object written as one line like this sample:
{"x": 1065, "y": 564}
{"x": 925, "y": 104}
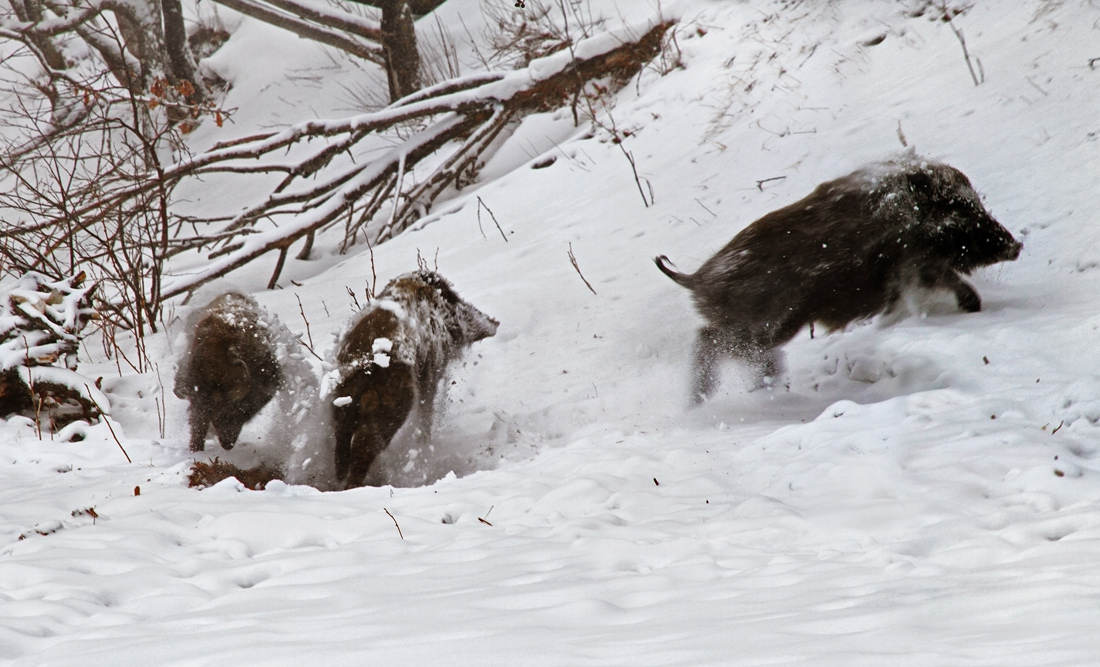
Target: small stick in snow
{"x": 573, "y": 261}
{"x": 302, "y": 310}
{"x": 373, "y": 289}
{"x": 162, "y": 406}
{"x": 35, "y": 398}
{"x": 760, "y": 183}
{"x": 1058, "y": 427}
{"x": 399, "y": 534}
{"x": 107, "y": 421}
{"x": 705, "y": 207}
{"x": 479, "y": 205}
{"x": 483, "y": 520}
{"x": 354, "y": 299}
{"x": 637, "y": 179}
{"x": 947, "y": 16}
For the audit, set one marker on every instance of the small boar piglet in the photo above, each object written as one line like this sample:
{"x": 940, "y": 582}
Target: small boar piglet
{"x": 390, "y": 365}
{"x": 229, "y": 371}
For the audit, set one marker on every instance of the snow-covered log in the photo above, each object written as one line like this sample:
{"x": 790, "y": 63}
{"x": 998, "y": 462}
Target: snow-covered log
{"x": 40, "y": 325}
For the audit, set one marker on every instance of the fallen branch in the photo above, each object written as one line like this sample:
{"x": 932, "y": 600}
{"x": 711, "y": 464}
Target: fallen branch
{"x": 328, "y": 28}
{"x": 332, "y": 172}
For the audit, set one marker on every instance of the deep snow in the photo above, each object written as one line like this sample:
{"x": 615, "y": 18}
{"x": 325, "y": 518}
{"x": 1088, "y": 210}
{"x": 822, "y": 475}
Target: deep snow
{"x": 926, "y": 492}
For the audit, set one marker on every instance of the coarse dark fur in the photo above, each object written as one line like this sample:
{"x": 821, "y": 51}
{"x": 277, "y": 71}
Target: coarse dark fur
{"x": 230, "y": 370}
{"x": 391, "y": 363}
{"x": 847, "y": 251}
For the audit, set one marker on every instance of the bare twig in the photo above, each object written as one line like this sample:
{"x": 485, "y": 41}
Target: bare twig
{"x": 947, "y": 16}
{"x": 399, "y": 534}
{"x": 480, "y": 205}
{"x": 760, "y": 183}
{"x": 704, "y": 206}
{"x": 484, "y": 519}
{"x": 34, "y": 395}
{"x": 302, "y": 310}
{"x": 634, "y": 168}
{"x": 573, "y": 261}
{"x": 372, "y": 291}
{"x": 162, "y": 406}
{"x": 354, "y": 299}
{"x": 107, "y": 421}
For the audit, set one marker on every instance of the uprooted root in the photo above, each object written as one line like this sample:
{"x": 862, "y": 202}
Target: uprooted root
{"x": 209, "y": 473}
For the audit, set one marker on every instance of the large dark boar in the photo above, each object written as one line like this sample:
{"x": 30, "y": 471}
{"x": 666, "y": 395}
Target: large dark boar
{"x": 391, "y": 363}
{"x": 847, "y": 251}
{"x": 229, "y": 371}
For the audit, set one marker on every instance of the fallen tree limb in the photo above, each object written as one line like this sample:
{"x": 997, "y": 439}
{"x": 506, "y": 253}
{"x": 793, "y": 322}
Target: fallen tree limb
{"x": 346, "y": 170}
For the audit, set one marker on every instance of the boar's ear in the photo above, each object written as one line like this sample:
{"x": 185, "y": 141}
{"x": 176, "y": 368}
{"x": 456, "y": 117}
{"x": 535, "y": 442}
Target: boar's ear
{"x": 441, "y": 284}
{"x": 921, "y": 183}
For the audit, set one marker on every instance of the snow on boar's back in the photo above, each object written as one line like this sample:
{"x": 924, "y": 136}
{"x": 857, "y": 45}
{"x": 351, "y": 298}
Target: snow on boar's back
{"x": 229, "y": 371}
{"x": 845, "y": 252}
{"x": 391, "y": 363}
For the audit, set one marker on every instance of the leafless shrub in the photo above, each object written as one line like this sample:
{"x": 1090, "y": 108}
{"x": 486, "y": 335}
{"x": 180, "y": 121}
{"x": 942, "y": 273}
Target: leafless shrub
{"x": 543, "y": 27}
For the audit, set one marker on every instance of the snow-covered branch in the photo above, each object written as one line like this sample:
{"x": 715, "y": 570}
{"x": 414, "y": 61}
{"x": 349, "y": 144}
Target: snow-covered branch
{"x": 345, "y": 32}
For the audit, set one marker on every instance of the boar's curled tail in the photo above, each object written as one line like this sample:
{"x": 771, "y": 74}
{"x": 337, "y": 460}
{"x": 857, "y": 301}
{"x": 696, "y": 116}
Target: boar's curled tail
{"x": 682, "y": 279}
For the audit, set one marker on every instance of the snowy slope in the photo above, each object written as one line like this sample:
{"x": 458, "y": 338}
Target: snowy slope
{"x": 925, "y": 493}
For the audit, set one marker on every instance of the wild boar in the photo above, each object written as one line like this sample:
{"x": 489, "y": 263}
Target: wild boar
{"x": 847, "y": 251}
{"x": 229, "y": 371}
{"x": 391, "y": 363}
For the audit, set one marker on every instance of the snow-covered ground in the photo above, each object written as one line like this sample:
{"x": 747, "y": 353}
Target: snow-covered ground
{"x": 927, "y": 492}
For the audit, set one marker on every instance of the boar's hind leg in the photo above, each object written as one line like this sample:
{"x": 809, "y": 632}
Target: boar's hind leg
{"x": 345, "y": 430}
{"x": 771, "y": 368}
{"x": 711, "y": 344}
{"x": 382, "y": 401}
{"x": 362, "y": 449}
{"x": 425, "y": 411}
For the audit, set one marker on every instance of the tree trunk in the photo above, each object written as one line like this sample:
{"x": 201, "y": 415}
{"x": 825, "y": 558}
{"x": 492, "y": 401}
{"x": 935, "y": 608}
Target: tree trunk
{"x": 399, "y": 47}
{"x": 181, "y": 63}
{"x": 143, "y": 36}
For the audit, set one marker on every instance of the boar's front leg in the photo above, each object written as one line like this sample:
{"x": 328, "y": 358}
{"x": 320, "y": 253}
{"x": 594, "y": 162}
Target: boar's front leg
{"x": 966, "y": 296}
{"x": 200, "y": 424}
